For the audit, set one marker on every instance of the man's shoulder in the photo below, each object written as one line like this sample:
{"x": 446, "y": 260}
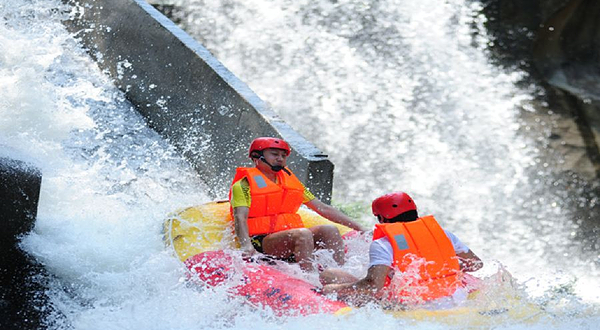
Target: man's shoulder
{"x": 381, "y": 243}
{"x": 381, "y": 252}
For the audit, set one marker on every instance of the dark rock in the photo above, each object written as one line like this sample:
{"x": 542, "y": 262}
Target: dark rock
{"x": 23, "y": 302}
{"x": 20, "y": 188}
{"x": 558, "y": 43}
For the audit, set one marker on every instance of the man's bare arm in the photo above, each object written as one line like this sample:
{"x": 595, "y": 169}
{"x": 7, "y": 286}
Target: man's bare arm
{"x": 363, "y": 290}
{"x": 469, "y": 262}
{"x": 333, "y": 214}
{"x": 240, "y": 216}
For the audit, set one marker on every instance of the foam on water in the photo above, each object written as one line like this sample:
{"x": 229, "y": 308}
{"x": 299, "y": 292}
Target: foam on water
{"x": 109, "y": 181}
{"x": 406, "y": 98}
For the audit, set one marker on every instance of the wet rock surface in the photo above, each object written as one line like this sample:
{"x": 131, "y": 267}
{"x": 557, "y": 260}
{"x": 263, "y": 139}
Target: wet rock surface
{"x": 556, "y": 43}
{"x": 23, "y": 302}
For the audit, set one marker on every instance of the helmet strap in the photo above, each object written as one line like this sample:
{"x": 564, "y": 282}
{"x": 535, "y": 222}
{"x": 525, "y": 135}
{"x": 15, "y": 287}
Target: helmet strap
{"x": 274, "y": 168}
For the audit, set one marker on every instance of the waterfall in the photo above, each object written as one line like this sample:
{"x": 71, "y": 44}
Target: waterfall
{"x": 402, "y": 95}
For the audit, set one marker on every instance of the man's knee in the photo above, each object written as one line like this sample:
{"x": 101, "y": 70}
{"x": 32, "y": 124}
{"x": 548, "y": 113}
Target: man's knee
{"x": 302, "y": 236}
{"x": 331, "y": 230}
{"x": 327, "y": 233}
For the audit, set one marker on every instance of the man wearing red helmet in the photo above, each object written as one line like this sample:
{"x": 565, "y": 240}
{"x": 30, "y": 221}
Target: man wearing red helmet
{"x": 264, "y": 204}
{"x": 431, "y": 260}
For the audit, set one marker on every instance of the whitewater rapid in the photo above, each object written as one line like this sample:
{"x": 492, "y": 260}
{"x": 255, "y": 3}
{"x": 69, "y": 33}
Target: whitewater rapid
{"x": 109, "y": 181}
{"x": 406, "y": 97}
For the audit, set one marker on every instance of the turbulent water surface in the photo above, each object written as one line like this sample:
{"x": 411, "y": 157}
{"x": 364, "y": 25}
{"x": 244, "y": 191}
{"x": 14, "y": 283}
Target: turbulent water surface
{"x": 400, "y": 94}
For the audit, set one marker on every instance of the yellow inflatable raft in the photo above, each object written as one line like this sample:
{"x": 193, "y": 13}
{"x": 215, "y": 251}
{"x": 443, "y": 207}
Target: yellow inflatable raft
{"x": 203, "y": 229}
{"x": 208, "y": 227}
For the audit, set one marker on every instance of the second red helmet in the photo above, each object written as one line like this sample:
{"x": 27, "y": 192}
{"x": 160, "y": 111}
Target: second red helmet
{"x": 392, "y": 205}
{"x": 262, "y": 143}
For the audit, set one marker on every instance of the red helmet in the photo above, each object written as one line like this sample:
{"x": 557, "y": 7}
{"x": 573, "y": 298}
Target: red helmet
{"x": 262, "y": 143}
{"x": 392, "y": 205}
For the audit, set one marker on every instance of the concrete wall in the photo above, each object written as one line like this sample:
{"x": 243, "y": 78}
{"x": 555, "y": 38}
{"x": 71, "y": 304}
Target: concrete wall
{"x": 188, "y": 96}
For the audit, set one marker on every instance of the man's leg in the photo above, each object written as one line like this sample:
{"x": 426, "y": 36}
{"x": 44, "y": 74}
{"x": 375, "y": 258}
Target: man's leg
{"x": 328, "y": 237}
{"x": 336, "y": 276}
{"x": 298, "y": 242}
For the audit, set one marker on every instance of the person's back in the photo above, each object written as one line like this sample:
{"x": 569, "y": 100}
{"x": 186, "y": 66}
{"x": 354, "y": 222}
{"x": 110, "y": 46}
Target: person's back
{"x": 425, "y": 257}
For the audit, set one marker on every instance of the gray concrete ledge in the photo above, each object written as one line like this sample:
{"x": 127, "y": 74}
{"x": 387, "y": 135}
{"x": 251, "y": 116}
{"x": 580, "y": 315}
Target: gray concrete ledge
{"x": 186, "y": 94}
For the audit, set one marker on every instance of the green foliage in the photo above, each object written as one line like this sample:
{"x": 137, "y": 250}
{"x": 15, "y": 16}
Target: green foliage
{"x": 355, "y": 210}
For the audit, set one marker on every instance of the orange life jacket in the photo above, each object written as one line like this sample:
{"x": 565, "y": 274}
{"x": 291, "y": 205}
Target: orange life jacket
{"x": 274, "y": 205}
{"x": 425, "y": 255}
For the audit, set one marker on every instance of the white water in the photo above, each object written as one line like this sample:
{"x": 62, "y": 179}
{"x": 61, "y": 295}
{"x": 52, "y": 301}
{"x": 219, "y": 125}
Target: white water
{"x": 405, "y": 98}
{"x": 421, "y": 111}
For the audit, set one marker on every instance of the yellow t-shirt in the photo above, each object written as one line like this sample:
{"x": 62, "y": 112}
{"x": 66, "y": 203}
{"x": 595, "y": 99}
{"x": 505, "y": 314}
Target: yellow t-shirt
{"x": 240, "y": 194}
